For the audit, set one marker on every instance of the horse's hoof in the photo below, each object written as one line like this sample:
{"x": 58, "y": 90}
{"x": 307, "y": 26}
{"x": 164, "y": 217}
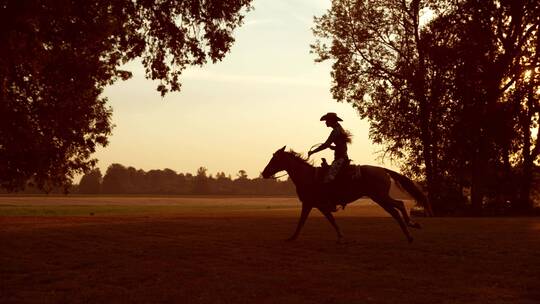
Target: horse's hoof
{"x": 291, "y": 239}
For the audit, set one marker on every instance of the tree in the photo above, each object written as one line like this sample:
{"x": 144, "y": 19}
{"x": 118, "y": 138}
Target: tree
{"x": 91, "y": 182}
{"x": 242, "y": 174}
{"x": 223, "y": 184}
{"x": 491, "y": 52}
{"x": 116, "y": 180}
{"x": 57, "y": 56}
{"x": 380, "y": 68}
{"x": 440, "y": 92}
{"x": 201, "y": 185}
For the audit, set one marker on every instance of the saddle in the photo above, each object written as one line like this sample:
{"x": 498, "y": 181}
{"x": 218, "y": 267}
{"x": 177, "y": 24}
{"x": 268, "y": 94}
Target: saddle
{"x": 335, "y": 190}
{"x": 347, "y": 173}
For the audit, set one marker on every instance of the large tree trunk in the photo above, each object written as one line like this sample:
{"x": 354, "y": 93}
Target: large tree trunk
{"x": 424, "y": 113}
{"x": 477, "y": 182}
{"x": 524, "y": 201}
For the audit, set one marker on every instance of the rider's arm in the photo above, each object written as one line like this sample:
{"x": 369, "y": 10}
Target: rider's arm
{"x": 326, "y": 144}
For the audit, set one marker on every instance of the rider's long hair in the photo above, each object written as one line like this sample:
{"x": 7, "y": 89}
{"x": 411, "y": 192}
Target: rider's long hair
{"x": 348, "y": 136}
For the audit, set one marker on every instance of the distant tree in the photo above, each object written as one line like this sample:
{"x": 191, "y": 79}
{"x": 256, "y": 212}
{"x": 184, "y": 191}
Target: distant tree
{"x": 242, "y": 184}
{"x": 202, "y": 172}
{"x": 138, "y": 180}
{"x": 242, "y": 174}
{"x": 201, "y": 185}
{"x": 221, "y": 176}
{"x": 168, "y": 181}
{"x": 223, "y": 184}
{"x": 116, "y": 180}
{"x": 153, "y": 181}
{"x": 58, "y": 55}
{"x": 181, "y": 184}
{"x": 91, "y": 182}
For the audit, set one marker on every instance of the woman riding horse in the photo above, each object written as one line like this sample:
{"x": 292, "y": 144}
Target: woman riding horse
{"x": 339, "y": 138}
{"x": 374, "y": 182}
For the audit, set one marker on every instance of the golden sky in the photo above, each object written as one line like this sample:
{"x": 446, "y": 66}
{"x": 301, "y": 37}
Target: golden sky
{"x": 268, "y": 92}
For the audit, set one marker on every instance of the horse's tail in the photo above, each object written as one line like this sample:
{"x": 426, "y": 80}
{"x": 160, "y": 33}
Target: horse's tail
{"x": 412, "y": 189}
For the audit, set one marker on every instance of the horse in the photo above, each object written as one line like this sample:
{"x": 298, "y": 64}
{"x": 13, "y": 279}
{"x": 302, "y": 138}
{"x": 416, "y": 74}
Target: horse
{"x": 372, "y": 181}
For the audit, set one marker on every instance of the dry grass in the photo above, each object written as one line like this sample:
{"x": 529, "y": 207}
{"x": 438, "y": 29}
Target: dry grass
{"x": 237, "y": 255}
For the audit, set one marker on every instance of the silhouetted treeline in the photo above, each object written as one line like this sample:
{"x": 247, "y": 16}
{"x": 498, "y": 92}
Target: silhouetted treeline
{"x": 127, "y": 180}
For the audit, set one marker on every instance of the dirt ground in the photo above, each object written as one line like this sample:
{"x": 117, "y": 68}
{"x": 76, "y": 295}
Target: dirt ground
{"x": 238, "y": 255}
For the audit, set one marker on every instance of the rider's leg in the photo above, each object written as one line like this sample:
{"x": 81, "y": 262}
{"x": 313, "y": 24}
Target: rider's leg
{"x": 329, "y": 186}
{"x": 333, "y": 171}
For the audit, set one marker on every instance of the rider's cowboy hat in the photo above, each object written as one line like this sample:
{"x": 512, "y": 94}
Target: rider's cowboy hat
{"x": 331, "y": 116}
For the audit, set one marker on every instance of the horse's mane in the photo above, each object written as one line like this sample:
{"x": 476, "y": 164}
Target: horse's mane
{"x": 300, "y": 157}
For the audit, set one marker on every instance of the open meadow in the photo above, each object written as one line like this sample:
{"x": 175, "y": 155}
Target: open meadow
{"x": 232, "y": 250}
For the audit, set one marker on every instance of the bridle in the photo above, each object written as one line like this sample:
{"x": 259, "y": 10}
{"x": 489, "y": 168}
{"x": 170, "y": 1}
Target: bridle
{"x": 276, "y": 177}
{"x": 285, "y": 174}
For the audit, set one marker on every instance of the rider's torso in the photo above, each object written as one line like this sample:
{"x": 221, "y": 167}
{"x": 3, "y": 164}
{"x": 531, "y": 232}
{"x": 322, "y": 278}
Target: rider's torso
{"x": 339, "y": 139}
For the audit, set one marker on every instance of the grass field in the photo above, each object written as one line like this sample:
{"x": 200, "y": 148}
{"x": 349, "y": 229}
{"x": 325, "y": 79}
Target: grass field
{"x": 231, "y": 250}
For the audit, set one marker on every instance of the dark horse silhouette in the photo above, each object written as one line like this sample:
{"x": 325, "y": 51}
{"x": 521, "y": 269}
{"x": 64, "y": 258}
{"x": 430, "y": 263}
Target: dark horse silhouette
{"x": 371, "y": 181}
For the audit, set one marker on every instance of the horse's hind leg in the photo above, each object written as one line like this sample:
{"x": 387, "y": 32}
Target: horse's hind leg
{"x": 400, "y": 205}
{"x": 388, "y": 205}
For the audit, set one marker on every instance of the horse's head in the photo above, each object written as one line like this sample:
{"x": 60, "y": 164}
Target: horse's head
{"x": 276, "y": 164}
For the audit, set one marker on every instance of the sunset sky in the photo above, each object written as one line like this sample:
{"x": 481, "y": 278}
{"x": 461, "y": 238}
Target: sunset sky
{"x": 268, "y": 92}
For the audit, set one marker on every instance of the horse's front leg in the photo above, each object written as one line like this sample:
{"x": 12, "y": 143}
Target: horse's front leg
{"x": 306, "y": 209}
{"x": 330, "y": 218}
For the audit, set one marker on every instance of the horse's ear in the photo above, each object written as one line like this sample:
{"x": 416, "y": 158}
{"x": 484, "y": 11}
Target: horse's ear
{"x": 282, "y": 149}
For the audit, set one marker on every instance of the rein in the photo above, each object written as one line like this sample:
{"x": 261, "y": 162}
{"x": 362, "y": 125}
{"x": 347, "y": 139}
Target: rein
{"x": 284, "y": 174}
{"x": 315, "y": 145}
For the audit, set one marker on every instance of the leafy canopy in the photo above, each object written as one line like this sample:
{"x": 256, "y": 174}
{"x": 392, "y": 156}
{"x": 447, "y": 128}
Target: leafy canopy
{"x": 56, "y": 57}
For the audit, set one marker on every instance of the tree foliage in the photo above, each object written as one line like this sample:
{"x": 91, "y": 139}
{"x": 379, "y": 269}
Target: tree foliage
{"x": 58, "y": 55}
{"x": 91, "y": 182}
{"x": 449, "y": 87}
